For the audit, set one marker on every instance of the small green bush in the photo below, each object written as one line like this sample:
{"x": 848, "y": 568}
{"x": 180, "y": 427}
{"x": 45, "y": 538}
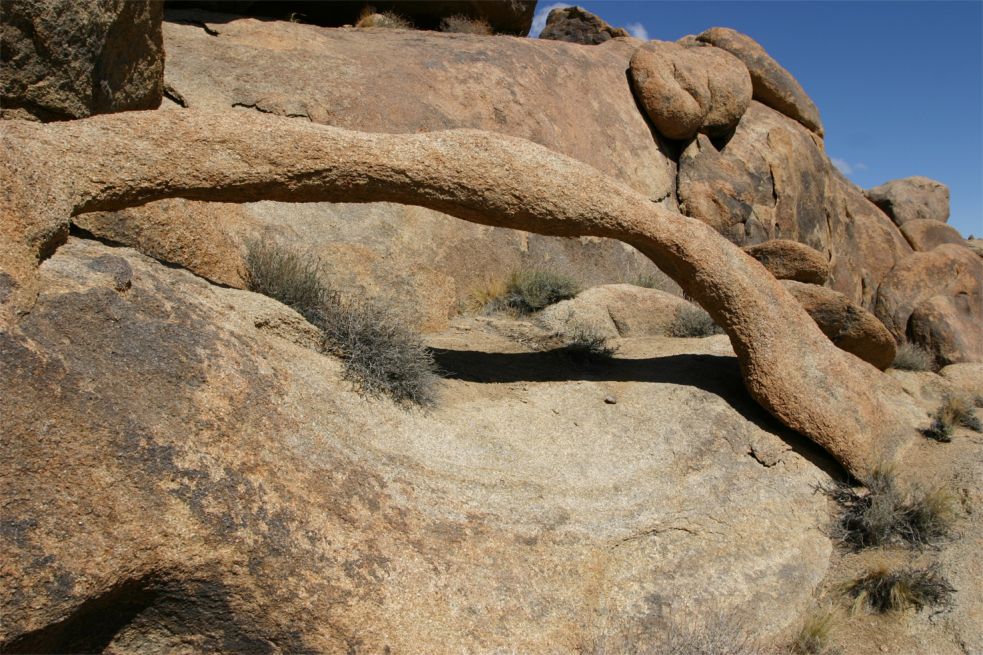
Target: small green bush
{"x": 465, "y": 25}
{"x": 885, "y": 514}
{"x": 912, "y": 357}
{"x": 693, "y": 321}
{"x": 529, "y": 291}
{"x": 954, "y": 411}
{"x": 884, "y": 589}
{"x": 381, "y": 354}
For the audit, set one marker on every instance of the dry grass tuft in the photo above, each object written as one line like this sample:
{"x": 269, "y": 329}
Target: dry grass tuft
{"x": 813, "y": 637}
{"x": 693, "y": 321}
{"x": 886, "y": 589}
{"x": 386, "y": 20}
{"x": 885, "y": 514}
{"x": 584, "y": 344}
{"x": 465, "y": 25}
{"x": 382, "y": 355}
{"x": 529, "y": 291}
{"x": 954, "y": 411}
{"x": 912, "y": 357}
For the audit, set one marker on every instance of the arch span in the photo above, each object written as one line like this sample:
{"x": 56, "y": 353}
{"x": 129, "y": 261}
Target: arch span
{"x": 54, "y": 171}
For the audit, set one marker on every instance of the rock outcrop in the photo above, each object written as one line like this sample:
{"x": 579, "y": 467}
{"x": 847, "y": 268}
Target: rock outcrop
{"x": 577, "y": 25}
{"x": 110, "y": 163}
{"x": 773, "y": 85}
{"x": 773, "y": 181}
{"x": 935, "y": 299}
{"x": 686, "y": 90}
{"x": 912, "y": 198}
{"x": 225, "y": 490}
{"x": 924, "y": 234}
{"x": 63, "y": 59}
{"x": 615, "y": 310}
{"x": 791, "y": 260}
{"x": 503, "y": 16}
{"x": 851, "y": 327}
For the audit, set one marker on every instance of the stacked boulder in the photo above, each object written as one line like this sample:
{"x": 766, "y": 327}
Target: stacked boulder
{"x": 576, "y": 25}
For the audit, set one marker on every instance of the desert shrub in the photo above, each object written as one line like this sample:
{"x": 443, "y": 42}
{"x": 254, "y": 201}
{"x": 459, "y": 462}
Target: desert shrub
{"x": 381, "y": 354}
{"x": 529, "y": 291}
{"x": 718, "y": 635}
{"x": 886, "y": 589}
{"x": 954, "y": 411}
{"x": 693, "y": 321}
{"x": 487, "y": 298}
{"x": 585, "y": 344}
{"x": 386, "y": 19}
{"x": 286, "y": 276}
{"x": 813, "y": 636}
{"x": 912, "y": 357}
{"x": 885, "y": 514}
{"x": 465, "y": 25}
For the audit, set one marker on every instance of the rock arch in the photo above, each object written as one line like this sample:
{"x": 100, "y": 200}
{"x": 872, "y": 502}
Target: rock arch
{"x": 54, "y": 171}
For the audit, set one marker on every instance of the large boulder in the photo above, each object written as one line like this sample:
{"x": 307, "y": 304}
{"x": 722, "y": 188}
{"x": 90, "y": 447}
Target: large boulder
{"x": 577, "y": 25}
{"x": 912, "y": 198}
{"x": 851, "y": 327}
{"x": 179, "y": 477}
{"x": 503, "y": 16}
{"x": 791, "y": 260}
{"x": 440, "y": 81}
{"x": 63, "y": 59}
{"x": 685, "y": 90}
{"x": 772, "y": 180}
{"x": 615, "y": 310}
{"x": 924, "y": 234}
{"x": 935, "y": 299}
{"x": 773, "y": 85}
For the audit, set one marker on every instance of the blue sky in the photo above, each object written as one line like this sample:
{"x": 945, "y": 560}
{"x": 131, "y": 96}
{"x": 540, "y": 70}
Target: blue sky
{"x": 899, "y": 85}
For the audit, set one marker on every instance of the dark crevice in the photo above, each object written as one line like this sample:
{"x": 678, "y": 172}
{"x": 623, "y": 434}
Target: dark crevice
{"x": 264, "y": 110}
{"x": 173, "y": 94}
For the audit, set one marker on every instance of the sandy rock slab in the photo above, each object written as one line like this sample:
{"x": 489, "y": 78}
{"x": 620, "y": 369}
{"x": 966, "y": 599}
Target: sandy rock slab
{"x": 184, "y": 480}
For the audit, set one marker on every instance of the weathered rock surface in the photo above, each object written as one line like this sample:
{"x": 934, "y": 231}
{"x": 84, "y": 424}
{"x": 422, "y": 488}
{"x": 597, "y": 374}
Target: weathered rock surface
{"x": 503, "y": 16}
{"x": 935, "y": 299}
{"x": 111, "y": 163}
{"x": 178, "y": 476}
{"x": 976, "y": 245}
{"x": 773, "y": 85}
{"x": 848, "y": 325}
{"x": 615, "y": 310}
{"x": 690, "y": 89}
{"x": 773, "y": 181}
{"x": 924, "y": 234}
{"x": 63, "y": 59}
{"x": 966, "y": 378}
{"x": 791, "y": 260}
{"x": 440, "y": 81}
{"x": 577, "y": 25}
{"x": 912, "y": 198}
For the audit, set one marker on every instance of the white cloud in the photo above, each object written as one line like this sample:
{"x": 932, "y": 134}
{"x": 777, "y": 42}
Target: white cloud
{"x": 638, "y": 31}
{"x": 843, "y": 165}
{"x": 848, "y": 168}
{"x": 539, "y": 20}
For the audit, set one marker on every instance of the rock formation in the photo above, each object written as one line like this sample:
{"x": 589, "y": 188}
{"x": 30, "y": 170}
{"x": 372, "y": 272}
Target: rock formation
{"x": 924, "y": 234}
{"x": 773, "y": 85}
{"x": 111, "y": 163}
{"x": 64, "y": 59}
{"x": 576, "y": 25}
{"x": 912, "y": 198}
{"x": 688, "y": 90}
{"x": 791, "y": 260}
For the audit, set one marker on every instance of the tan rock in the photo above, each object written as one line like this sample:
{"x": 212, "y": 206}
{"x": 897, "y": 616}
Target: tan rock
{"x": 851, "y": 327}
{"x": 912, "y": 198}
{"x": 936, "y": 299}
{"x": 215, "y": 486}
{"x": 976, "y": 245}
{"x": 773, "y": 85}
{"x": 925, "y": 234}
{"x": 615, "y": 310}
{"x": 966, "y": 377}
{"x": 687, "y": 90}
{"x": 791, "y": 260}
{"x": 64, "y": 59}
{"x": 577, "y": 25}
{"x": 110, "y": 163}
{"x": 773, "y": 181}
